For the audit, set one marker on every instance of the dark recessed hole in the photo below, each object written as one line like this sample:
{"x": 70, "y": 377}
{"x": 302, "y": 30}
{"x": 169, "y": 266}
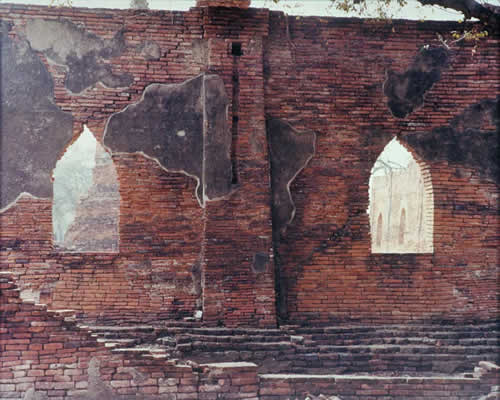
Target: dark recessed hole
{"x": 236, "y": 49}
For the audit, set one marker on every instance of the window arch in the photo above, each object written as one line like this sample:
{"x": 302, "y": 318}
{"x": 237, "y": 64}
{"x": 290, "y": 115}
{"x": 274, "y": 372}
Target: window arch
{"x": 400, "y": 196}
{"x": 86, "y": 205}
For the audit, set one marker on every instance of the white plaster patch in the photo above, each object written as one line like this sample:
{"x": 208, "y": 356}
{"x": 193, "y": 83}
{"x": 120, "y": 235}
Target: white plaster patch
{"x": 30, "y": 295}
{"x": 21, "y": 195}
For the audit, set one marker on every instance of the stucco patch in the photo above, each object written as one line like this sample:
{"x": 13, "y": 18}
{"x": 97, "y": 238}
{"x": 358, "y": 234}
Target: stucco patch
{"x": 290, "y": 151}
{"x": 34, "y": 130}
{"x": 184, "y": 128}
{"x": 82, "y": 52}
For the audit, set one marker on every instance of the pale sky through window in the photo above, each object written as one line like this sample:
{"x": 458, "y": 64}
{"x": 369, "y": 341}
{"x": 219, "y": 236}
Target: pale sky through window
{"x": 394, "y": 154}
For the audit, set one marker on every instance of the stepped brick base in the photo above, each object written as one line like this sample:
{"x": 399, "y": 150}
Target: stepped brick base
{"x": 345, "y": 387}
{"x": 46, "y": 354}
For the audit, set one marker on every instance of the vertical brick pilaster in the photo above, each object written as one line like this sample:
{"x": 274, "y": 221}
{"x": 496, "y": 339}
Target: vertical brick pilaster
{"x": 238, "y": 265}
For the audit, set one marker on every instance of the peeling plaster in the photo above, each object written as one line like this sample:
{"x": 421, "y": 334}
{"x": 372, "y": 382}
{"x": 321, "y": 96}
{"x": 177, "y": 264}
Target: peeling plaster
{"x": 30, "y": 146}
{"x": 290, "y": 152}
{"x": 82, "y": 52}
{"x": 183, "y": 127}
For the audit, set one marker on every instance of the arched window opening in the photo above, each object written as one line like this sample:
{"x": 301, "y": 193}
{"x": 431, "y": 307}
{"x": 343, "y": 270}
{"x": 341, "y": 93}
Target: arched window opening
{"x": 86, "y": 206}
{"x": 401, "y": 196}
{"x": 402, "y": 227}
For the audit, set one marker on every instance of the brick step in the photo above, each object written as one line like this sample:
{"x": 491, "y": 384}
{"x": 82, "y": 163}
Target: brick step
{"x": 402, "y": 333}
{"x": 141, "y": 351}
{"x": 405, "y": 333}
{"x": 335, "y": 340}
{"x": 118, "y": 329}
{"x": 347, "y": 362}
{"x": 118, "y": 342}
{"x": 407, "y": 349}
{"x": 187, "y": 338}
{"x": 402, "y": 329}
{"x": 177, "y": 324}
{"x": 220, "y": 331}
{"x": 142, "y": 334}
{"x": 201, "y": 347}
{"x": 167, "y": 341}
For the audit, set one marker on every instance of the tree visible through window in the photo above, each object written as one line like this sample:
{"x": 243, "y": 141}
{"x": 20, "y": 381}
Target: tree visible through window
{"x": 85, "y": 210}
{"x": 401, "y": 203}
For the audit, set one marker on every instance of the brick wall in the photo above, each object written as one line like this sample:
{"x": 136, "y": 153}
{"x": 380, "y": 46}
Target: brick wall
{"x": 283, "y": 387}
{"x": 223, "y": 3}
{"x": 318, "y": 74}
{"x": 327, "y": 76}
{"x": 171, "y": 250}
{"x": 44, "y": 354}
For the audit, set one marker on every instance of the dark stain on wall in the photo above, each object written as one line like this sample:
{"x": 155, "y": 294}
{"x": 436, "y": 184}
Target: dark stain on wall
{"x": 182, "y": 126}
{"x": 290, "y": 151}
{"x": 406, "y": 91}
{"x": 34, "y": 130}
{"x": 82, "y": 52}
{"x": 260, "y": 262}
{"x": 463, "y": 142}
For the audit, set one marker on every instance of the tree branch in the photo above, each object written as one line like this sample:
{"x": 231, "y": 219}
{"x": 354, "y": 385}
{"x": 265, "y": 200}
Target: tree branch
{"x": 487, "y": 14}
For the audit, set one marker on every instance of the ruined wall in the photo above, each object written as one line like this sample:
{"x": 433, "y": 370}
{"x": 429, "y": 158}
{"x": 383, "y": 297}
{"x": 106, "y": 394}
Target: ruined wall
{"x": 187, "y": 223}
{"x": 357, "y": 84}
{"x": 336, "y": 387}
{"x": 45, "y": 355}
{"x": 197, "y": 235}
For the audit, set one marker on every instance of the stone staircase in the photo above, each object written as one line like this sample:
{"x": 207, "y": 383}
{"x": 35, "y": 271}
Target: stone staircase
{"x": 392, "y": 350}
{"x": 265, "y": 347}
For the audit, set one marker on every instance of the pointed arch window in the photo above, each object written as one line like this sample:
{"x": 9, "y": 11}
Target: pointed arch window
{"x": 400, "y": 196}
{"x": 86, "y": 205}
